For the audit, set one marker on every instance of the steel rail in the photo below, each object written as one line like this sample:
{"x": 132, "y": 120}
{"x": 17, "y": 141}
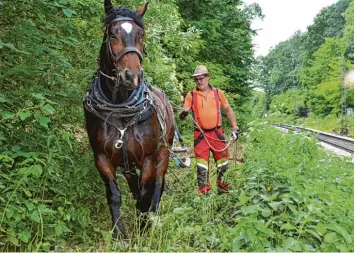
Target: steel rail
{"x": 340, "y": 142}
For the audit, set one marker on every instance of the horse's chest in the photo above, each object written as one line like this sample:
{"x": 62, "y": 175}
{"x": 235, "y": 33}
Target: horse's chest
{"x": 131, "y": 143}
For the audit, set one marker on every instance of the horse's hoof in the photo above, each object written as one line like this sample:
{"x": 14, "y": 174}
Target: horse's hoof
{"x": 119, "y": 235}
{"x": 121, "y": 244}
{"x": 155, "y": 220}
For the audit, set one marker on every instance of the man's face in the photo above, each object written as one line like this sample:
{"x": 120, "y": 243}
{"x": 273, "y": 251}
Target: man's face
{"x": 202, "y": 82}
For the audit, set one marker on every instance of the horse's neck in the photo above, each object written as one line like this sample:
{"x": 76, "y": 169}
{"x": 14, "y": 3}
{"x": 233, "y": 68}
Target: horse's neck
{"x": 115, "y": 95}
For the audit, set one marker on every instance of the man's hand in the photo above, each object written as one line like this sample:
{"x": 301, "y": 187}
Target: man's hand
{"x": 235, "y": 133}
{"x": 183, "y": 114}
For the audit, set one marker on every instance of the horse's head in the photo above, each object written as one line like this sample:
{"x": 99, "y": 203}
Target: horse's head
{"x": 124, "y": 44}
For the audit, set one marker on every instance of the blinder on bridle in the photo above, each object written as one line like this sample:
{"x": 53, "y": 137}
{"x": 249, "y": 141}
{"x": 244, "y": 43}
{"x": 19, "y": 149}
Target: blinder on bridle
{"x": 116, "y": 57}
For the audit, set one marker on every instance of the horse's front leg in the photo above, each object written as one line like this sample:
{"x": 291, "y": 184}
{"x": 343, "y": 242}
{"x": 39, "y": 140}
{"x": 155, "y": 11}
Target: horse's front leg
{"x": 162, "y": 166}
{"x": 113, "y": 194}
{"x": 147, "y": 184}
{"x": 146, "y": 188}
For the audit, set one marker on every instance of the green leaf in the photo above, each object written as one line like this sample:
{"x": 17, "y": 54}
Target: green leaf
{"x": 36, "y": 170}
{"x": 238, "y": 242}
{"x": 25, "y": 236}
{"x": 12, "y": 47}
{"x": 24, "y": 114}
{"x": 243, "y": 198}
{"x": 288, "y": 226}
{"x": 330, "y": 238}
{"x": 2, "y": 100}
{"x": 58, "y": 229}
{"x": 342, "y": 232}
{"x": 266, "y": 212}
{"x": 249, "y": 209}
{"x": 48, "y": 108}
{"x": 198, "y": 228}
{"x": 9, "y": 212}
{"x": 29, "y": 206}
{"x": 291, "y": 243}
{"x": 7, "y": 115}
{"x": 35, "y": 216}
{"x": 321, "y": 229}
{"x": 45, "y": 210}
{"x": 314, "y": 234}
{"x": 342, "y": 248}
{"x": 43, "y": 121}
{"x": 39, "y": 96}
{"x": 13, "y": 240}
{"x": 275, "y": 205}
{"x": 68, "y": 12}
{"x": 2, "y": 137}
{"x": 17, "y": 217}
{"x": 27, "y": 192}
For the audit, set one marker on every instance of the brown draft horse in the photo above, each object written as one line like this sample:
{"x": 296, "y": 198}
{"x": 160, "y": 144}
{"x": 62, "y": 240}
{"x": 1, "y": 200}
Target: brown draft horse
{"x": 130, "y": 124}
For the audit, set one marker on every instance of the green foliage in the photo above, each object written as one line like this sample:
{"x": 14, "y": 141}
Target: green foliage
{"x": 326, "y": 64}
{"x": 293, "y": 189}
{"x": 348, "y": 35}
{"x": 314, "y": 62}
{"x": 328, "y": 23}
{"x": 53, "y": 199}
{"x": 290, "y": 102}
{"x": 324, "y": 98}
{"x": 289, "y": 196}
{"x": 227, "y": 43}
{"x": 330, "y": 123}
{"x": 282, "y": 64}
{"x": 257, "y": 103}
{"x": 49, "y": 50}
{"x": 42, "y": 204}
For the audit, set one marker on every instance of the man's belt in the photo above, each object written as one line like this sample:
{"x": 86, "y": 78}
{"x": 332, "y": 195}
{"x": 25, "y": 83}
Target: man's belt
{"x": 208, "y": 130}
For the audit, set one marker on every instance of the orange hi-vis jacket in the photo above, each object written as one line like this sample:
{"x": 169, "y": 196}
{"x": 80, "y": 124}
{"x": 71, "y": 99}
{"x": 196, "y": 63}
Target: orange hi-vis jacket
{"x": 206, "y": 109}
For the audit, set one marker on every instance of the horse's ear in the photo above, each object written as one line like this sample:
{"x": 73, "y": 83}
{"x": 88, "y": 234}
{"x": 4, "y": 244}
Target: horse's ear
{"x": 108, "y": 6}
{"x": 142, "y": 10}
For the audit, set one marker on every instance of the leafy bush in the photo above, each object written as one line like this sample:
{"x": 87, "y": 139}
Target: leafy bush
{"x": 291, "y": 102}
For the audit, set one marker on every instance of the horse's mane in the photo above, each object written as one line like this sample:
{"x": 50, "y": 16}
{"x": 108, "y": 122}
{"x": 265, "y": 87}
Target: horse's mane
{"x": 124, "y": 12}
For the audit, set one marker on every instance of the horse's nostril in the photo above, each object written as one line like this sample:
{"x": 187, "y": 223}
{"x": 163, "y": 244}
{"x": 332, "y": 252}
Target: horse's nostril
{"x": 128, "y": 74}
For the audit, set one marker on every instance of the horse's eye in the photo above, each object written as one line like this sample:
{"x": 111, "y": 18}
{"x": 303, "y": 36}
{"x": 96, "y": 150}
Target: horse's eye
{"x": 140, "y": 40}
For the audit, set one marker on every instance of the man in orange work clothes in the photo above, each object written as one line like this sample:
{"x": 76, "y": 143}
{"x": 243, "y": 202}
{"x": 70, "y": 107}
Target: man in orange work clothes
{"x": 206, "y": 103}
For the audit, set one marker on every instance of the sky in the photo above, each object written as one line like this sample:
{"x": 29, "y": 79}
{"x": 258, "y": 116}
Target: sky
{"x": 282, "y": 19}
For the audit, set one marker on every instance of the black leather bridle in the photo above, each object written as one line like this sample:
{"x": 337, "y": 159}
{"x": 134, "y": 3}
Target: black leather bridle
{"x": 116, "y": 57}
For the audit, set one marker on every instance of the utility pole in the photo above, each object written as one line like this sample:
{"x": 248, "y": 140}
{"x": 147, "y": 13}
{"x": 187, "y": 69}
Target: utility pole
{"x": 265, "y": 101}
{"x": 343, "y": 121}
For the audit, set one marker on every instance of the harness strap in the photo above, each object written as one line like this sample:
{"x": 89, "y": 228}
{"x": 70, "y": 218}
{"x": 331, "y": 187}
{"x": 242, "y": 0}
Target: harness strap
{"x": 218, "y": 109}
{"x": 127, "y": 50}
{"x": 198, "y": 139}
{"x": 195, "y": 108}
{"x": 125, "y": 157}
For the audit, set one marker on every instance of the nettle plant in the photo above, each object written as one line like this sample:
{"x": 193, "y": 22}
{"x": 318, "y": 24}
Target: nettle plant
{"x": 32, "y": 113}
{"x": 37, "y": 176}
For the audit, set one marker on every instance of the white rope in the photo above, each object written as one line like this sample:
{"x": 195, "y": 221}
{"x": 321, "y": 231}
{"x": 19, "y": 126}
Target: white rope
{"x": 204, "y": 135}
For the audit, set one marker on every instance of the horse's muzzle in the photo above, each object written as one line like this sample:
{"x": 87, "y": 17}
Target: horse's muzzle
{"x": 130, "y": 79}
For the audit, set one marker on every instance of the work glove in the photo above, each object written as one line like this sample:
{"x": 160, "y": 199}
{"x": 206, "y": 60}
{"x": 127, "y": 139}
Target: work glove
{"x": 235, "y": 134}
{"x": 183, "y": 114}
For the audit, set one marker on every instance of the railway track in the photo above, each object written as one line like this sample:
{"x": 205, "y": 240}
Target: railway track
{"x": 340, "y": 142}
